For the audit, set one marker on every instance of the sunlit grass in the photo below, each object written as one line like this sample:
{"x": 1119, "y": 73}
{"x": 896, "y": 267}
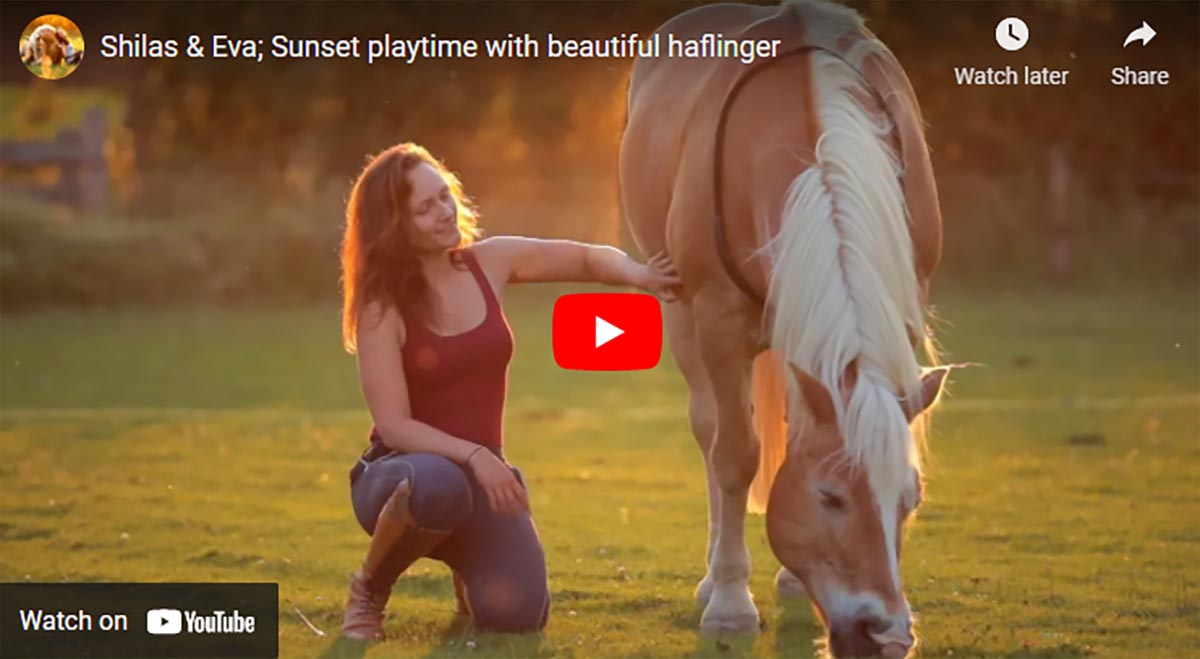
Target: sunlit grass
{"x": 51, "y": 71}
{"x": 213, "y": 445}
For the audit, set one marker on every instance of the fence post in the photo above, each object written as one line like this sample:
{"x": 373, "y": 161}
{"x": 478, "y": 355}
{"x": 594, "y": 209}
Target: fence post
{"x": 93, "y": 170}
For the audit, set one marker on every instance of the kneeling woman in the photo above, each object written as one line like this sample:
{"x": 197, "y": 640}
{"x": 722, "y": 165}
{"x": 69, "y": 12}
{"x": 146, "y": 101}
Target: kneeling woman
{"x": 422, "y": 310}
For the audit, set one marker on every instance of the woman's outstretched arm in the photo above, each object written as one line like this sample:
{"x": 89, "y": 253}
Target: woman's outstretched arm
{"x": 537, "y": 260}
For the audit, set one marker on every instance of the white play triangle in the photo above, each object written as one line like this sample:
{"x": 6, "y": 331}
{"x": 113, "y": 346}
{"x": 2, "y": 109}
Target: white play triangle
{"x": 606, "y": 331}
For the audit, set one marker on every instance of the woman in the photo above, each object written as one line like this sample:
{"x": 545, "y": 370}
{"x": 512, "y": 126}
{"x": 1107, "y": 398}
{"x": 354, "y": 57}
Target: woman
{"x": 421, "y": 309}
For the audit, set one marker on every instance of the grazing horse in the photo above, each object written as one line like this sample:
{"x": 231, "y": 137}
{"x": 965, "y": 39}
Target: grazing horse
{"x": 797, "y": 199}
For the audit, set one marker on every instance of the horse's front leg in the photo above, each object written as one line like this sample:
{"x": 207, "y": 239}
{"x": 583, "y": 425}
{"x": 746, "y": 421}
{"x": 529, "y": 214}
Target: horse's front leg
{"x": 727, "y": 347}
{"x": 702, "y": 412}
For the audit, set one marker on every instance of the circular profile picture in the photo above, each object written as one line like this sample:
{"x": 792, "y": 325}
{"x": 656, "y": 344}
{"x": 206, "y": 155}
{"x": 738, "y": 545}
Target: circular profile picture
{"x": 51, "y": 46}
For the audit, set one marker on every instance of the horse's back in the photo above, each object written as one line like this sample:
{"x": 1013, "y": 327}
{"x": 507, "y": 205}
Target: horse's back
{"x": 672, "y": 107}
{"x": 667, "y": 151}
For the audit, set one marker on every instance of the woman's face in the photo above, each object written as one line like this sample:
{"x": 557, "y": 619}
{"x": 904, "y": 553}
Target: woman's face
{"x": 434, "y": 211}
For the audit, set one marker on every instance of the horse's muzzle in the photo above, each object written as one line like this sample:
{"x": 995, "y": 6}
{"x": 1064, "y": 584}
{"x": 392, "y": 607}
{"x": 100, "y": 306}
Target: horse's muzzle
{"x": 861, "y": 638}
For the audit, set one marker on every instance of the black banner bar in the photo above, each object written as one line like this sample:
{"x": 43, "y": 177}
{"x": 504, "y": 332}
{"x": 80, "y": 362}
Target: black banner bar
{"x": 136, "y": 620}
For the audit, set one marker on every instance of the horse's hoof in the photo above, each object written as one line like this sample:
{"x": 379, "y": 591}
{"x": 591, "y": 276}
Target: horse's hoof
{"x": 788, "y": 585}
{"x": 704, "y": 591}
{"x": 730, "y": 611}
{"x": 730, "y": 625}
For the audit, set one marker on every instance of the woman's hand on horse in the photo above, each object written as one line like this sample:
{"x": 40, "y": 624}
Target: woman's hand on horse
{"x": 659, "y": 277}
{"x": 504, "y": 491}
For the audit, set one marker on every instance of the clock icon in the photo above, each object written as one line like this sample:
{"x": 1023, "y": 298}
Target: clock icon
{"x": 1012, "y": 33}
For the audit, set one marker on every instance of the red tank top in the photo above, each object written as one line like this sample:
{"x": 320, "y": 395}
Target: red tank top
{"x": 458, "y": 383}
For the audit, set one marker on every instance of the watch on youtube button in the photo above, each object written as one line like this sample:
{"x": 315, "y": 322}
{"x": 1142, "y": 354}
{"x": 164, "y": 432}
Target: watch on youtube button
{"x": 607, "y": 331}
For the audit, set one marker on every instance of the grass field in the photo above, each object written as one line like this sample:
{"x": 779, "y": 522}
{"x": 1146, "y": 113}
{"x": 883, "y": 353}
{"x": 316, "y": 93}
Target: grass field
{"x": 1062, "y": 515}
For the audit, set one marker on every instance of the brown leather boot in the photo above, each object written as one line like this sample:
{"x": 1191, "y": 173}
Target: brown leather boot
{"x": 397, "y": 542}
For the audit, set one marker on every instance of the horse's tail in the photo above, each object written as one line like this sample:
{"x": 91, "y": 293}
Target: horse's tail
{"x": 769, "y": 405}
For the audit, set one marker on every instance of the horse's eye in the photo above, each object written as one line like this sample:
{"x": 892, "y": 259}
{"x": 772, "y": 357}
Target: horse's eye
{"x": 832, "y": 501}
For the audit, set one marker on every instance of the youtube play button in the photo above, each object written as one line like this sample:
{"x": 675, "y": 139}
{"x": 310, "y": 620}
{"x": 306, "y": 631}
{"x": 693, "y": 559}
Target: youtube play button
{"x": 607, "y": 331}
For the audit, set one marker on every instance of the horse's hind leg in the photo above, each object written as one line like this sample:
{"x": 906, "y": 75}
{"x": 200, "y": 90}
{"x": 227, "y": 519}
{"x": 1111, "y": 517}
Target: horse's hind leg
{"x": 727, "y": 340}
{"x": 702, "y": 412}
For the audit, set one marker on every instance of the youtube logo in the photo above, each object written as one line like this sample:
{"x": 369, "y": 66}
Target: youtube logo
{"x": 164, "y": 621}
{"x": 607, "y": 331}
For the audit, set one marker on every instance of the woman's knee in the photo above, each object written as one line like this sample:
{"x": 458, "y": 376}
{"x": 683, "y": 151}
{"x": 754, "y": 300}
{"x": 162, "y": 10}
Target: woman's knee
{"x": 441, "y": 494}
{"x": 374, "y": 487}
{"x": 501, "y": 604}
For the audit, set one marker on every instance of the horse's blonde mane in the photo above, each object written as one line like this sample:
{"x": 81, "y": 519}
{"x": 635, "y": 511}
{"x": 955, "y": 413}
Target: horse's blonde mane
{"x": 843, "y": 284}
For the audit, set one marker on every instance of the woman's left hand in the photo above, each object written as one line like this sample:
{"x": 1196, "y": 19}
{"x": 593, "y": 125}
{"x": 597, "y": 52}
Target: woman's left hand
{"x": 658, "y": 276}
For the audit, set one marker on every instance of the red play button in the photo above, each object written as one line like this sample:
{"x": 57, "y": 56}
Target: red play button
{"x": 607, "y": 331}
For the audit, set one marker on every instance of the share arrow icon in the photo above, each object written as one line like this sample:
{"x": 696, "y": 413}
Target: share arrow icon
{"x": 1144, "y": 34}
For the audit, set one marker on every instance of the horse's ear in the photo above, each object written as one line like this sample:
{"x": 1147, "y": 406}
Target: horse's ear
{"x": 927, "y": 394}
{"x": 816, "y": 396}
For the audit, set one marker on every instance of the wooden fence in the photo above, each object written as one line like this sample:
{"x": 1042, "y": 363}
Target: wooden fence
{"x": 78, "y": 153}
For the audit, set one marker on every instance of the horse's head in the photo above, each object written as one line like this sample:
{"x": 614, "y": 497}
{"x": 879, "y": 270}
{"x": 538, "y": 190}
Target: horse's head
{"x": 836, "y": 523}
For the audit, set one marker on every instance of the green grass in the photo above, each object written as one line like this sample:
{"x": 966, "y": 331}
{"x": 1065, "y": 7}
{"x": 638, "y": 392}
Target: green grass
{"x": 213, "y": 445}
{"x": 52, "y": 71}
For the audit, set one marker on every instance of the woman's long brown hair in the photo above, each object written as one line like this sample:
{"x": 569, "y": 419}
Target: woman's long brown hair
{"x": 379, "y": 262}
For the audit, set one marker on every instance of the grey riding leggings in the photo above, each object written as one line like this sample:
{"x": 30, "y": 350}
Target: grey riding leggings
{"x": 500, "y": 558}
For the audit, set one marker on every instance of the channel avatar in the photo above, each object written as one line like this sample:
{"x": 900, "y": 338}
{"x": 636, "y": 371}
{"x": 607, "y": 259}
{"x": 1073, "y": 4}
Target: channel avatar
{"x": 51, "y": 47}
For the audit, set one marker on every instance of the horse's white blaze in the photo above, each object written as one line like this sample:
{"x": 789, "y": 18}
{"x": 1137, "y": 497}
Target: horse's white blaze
{"x": 887, "y": 516}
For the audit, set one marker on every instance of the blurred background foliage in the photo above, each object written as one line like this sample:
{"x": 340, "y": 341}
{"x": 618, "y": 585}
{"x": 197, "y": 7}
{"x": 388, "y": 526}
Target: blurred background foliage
{"x": 227, "y": 178}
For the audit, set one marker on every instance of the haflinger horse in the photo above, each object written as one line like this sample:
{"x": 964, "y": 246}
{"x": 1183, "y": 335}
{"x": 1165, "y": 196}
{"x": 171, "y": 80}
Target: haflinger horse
{"x": 797, "y": 199}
